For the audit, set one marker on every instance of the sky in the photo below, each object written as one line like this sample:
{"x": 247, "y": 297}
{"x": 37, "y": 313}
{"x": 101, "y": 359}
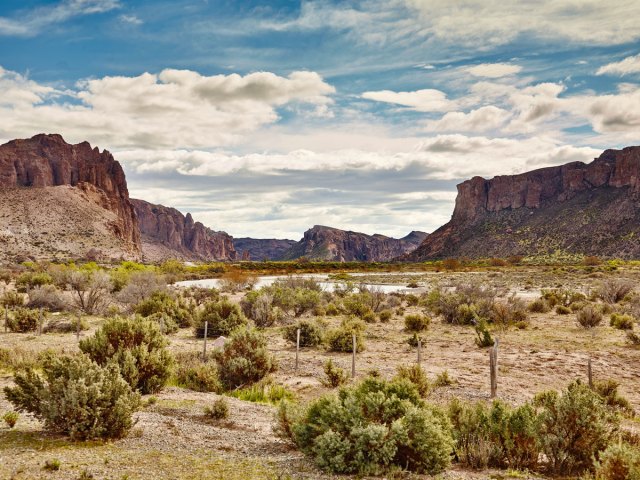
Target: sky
{"x": 265, "y": 118}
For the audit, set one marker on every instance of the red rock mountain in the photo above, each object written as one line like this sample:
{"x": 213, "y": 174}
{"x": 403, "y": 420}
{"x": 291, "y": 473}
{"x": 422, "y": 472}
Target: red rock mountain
{"x": 591, "y": 209}
{"x": 258, "y": 249}
{"x": 167, "y": 233}
{"x": 46, "y": 161}
{"x": 326, "y": 243}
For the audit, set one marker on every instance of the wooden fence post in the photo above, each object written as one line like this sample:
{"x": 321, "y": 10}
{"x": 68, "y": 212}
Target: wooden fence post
{"x": 6, "y": 319}
{"x": 419, "y": 351}
{"x": 40, "y": 322}
{"x": 493, "y": 368}
{"x": 204, "y": 350}
{"x": 589, "y": 372}
{"x": 78, "y": 327}
{"x": 297, "y": 348}
{"x": 353, "y": 356}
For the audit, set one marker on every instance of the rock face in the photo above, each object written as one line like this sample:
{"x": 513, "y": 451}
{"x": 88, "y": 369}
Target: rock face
{"x": 167, "y": 233}
{"x": 48, "y": 161}
{"x": 591, "y": 209}
{"x": 326, "y": 243}
{"x": 258, "y": 249}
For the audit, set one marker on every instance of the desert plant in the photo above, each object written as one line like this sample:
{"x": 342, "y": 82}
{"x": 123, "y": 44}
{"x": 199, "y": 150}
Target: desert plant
{"x": 334, "y": 376}
{"x": 618, "y": 462}
{"x": 613, "y": 290}
{"x": 90, "y": 289}
{"x": 507, "y": 313}
{"x": 415, "y": 374}
{"x": 413, "y": 340}
{"x": 194, "y": 374}
{"x": 608, "y": 391}
{"x": 373, "y": 427}
{"x": 12, "y": 299}
{"x": 539, "y": 305}
{"x": 11, "y": 418}
{"x": 443, "y": 379}
{"x": 161, "y": 305}
{"x": 464, "y": 304}
{"x": 136, "y": 286}
{"x": 137, "y": 347}
{"x": 310, "y": 333}
{"x": 385, "y": 315}
{"x": 633, "y": 338}
{"x": 29, "y": 280}
{"x": 621, "y": 321}
{"x": 218, "y": 410}
{"x": 589, "y": 317}
{"x": 483, "y": 336}
{"x": 416, "y": 323}
{"x": 52, "y": 465}
{"x": 573, "y": 428}
{"x": 77, "y": 397}
{"x": 562, "y": 310}
{"x": 25, "y": 320}
{"x": 244, "y": 359}
{"x": 223, "y": 317}
{"x": 341, "y": 339}
{"x": 46, "y": 296}
{"x": 262, "y": 392}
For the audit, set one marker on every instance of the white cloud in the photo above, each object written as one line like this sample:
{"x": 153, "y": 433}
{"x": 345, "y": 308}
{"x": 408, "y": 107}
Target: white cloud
{"x": 130, "y": 19}
{"x": 623, "y": 67}
{"x": 32, "y": 22}
{"x": 426, "y": 100}
{"x": 482, "y": 119}
{"x": 616, "y": 113}
{"x": 494, "y": 70}
{"x": 176, "y": 108}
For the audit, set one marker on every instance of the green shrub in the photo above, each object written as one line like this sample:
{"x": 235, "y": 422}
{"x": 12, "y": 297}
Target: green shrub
{"x": 166, "y": 323}
{"x": 385, "y": 316}
{"x": 244, "y": 359}
{"x": 506, "y": 314}
{"x": 357, "y": 304}
{"x": 369, "y": 317}
{"x": 589, "y": 317}
{"x": 413, "y": 340}
{"x": 218, "y": 410}
{"x": 562, "y": 310}
{"x": 262, "y": 392}
{"x": 11, "y": 418}
{"x": 332, "y": 310}
{"x": 223, "y": 316}
{"x": 29, "y": 280}
{"x": 194, "y": 374}
{"x": 161, "y": 305}
{"x": 416, "y": 323}
{"x": 573, "y": 428}
{"x": 46, "y": 296}
{"x": 310, "y": 333}
{"x": 25, "y": 320}
{"x": 334, "y": 376}
{"x": 52, "y": 465}
{"x": 539, "y": 305}
{"x": 633, "y": 338}
{"x": 496, "y": 435}
{"x": 464, "y": 304}
{"x": 621, "y": 321}
{"x": 372, "y": 428}
{"x": 258, "y": 306}
{"x": 443, "y": 379}
{"x": 411, "y": 299}
{"x": 341, "y": 339}
{"x": 77, "y": 397}
{"x": 137, "y": 347}
{"x": 415, "y": 374}
{"x": 12, "y": 300}
{"x": 618, "y": 462}
{"x": 614, "y": 290}
{"x": 608, "y": 391}
{"x": 483, "y": 336}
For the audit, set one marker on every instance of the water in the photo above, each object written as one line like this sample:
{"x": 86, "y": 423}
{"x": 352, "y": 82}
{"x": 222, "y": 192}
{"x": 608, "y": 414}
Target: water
{"x": 325, "y": 282}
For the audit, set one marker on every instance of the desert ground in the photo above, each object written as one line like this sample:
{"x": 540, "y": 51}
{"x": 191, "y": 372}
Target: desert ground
{"x": 173, "y": 439}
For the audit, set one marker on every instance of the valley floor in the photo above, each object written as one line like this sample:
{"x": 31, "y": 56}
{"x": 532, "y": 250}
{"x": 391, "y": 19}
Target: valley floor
{"x": 173, "y": 439}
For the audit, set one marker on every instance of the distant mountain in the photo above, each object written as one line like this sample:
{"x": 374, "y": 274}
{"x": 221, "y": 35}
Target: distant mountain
{"x": 257, "y": 249}
{"x": 167, "y": 233}
{"x": 332, "y": 244}
{"x": 591, "y": 209}
{"x": 59, "y": 200}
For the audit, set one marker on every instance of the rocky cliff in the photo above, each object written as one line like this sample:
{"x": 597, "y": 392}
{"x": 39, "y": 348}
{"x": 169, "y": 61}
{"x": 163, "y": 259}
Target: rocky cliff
{"x": 258, "y": 249}
{"x": 167, "y": 233}
{"x": 591, "y": 209}
{"x": 326, "y": 243}
{"x": 48, "y": 161}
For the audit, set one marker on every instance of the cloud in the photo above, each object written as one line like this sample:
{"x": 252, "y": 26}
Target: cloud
{"x": 616, "y": 113}
{"x": 29, "y": 23}
{"x": 427, "y": 100}
{"x": 482, "y": 119}
{"x": 623, "y": 67}
{"x": 494, "y": 70}
{"x": 175, "y": 108}
{"x": 130, "y": 19}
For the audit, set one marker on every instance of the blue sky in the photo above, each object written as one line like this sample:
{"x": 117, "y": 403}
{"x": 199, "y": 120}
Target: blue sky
{"x": 265, "y": 118}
